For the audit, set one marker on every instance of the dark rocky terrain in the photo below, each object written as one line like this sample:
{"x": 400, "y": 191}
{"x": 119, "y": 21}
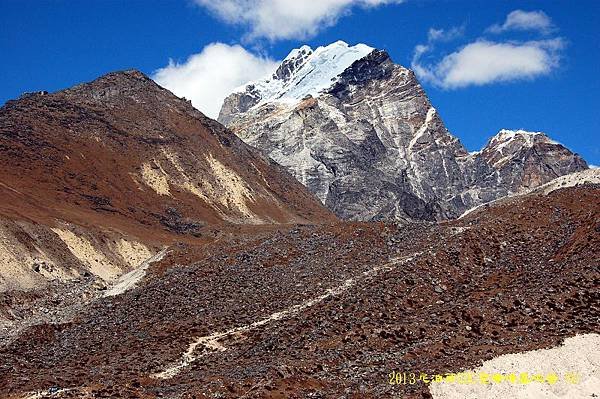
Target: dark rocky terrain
{"x": 370, "y": 145}
{"x": 99, "y": 178}
{"x": 147, "y": 252}
{"x": 329, "y": 311}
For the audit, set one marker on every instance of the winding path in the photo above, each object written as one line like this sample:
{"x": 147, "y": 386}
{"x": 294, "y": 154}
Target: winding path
{"x": 211, "y": 343}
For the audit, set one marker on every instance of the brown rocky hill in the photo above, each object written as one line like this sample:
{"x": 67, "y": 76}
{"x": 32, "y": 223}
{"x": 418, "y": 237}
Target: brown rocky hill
{"x": 329, "y": 311}
{"x": 95, "y": 178}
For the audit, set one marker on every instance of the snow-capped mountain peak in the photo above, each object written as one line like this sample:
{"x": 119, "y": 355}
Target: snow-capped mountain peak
{"x": 305, "y": 72}
{"x": 298, "y": 51}
{"x": 508, "y": 144}
{"x": 505, "y": 136}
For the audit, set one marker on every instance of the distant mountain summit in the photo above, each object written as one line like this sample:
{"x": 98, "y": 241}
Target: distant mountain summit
{"x": 360, "y": 132}
{"x": 304, "y": 72}
{"x": 523, "y": 160}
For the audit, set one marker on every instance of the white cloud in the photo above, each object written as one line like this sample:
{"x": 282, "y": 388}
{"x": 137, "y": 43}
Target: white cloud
{"x": 285, "y": 19}
{"x": 445, "y": 35}
{"x": 524, "y": 20}
{"x": 484, "y": 62}
{"x": 208, "y": 77}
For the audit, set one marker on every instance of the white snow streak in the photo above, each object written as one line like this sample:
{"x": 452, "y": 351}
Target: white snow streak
{"x": 428, "y": 118}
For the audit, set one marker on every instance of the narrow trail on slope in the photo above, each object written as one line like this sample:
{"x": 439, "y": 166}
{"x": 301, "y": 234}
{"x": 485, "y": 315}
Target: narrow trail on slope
{"x": 211, "y": 344}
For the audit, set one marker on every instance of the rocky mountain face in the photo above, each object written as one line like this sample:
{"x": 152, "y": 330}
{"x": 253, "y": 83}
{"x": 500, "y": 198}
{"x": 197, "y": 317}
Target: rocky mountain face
{"x": 96, "y": 178}
{"x": 360, "y": 133}
{"x": 523, "y": 160}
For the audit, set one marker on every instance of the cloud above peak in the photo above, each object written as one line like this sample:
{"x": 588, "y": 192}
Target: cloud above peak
{"x": 445, "y": 35}
{"x": 519, "y": 20}
{"x": 484, "y": 61}
{"x": 285, "y": 19}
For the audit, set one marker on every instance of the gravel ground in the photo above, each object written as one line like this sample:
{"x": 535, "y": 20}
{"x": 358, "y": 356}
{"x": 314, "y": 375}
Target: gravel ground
{"x": 382, "y": 298}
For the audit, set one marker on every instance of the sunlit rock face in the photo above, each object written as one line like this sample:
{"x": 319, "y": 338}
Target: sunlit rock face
{"x": 361, "y": 134}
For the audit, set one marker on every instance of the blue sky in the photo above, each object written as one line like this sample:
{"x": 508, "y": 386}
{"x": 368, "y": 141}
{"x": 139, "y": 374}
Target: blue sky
{"x": 50, "y": 45}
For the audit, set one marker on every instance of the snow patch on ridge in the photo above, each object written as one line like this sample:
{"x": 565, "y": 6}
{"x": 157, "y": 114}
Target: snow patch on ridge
{"x": 507, "y": 139}
{"x": 314, "y": 72}
{"x": 505, "y": 136}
